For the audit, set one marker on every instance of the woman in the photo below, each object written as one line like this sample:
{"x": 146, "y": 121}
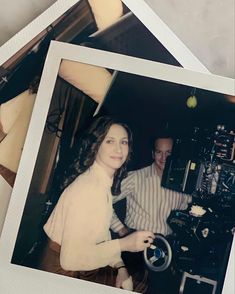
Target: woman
{"x": 78, "y": 228}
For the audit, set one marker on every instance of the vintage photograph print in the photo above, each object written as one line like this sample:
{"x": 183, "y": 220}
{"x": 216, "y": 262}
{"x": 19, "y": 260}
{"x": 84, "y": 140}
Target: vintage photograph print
{"x": 126, "y": 180}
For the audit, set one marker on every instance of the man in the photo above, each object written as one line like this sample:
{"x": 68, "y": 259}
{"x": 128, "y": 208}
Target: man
{"x": 148, "y": 205}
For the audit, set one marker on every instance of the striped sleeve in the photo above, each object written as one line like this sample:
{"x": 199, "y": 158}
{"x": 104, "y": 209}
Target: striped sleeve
{"x": 116, "y": 224}
{"x": 127, "y": 187}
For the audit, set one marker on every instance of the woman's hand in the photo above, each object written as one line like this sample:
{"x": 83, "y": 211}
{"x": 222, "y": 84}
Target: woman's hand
{"x": 121, "y": 277}
{"x": 136, "y": 241}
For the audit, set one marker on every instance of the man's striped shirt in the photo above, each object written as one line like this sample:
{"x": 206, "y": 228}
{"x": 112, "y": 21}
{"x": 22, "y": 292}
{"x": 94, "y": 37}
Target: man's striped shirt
{"x": 148, "y": 204}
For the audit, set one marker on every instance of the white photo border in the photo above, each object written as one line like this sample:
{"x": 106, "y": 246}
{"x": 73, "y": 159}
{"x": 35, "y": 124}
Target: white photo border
{"x": 27, "y": 280}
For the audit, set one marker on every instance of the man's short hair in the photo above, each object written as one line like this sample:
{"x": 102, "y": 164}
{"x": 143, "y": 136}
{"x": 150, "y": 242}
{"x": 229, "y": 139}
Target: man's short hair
{"x": 160, "y": 135}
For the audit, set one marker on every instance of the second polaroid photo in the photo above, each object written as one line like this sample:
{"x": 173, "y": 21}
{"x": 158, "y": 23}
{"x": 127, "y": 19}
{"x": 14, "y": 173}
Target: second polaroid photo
{"x": 126, "y": 180}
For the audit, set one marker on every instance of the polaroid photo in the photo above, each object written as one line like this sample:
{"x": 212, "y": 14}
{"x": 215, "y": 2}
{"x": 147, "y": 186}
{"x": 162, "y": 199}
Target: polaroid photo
{"x": 79, "y": 84}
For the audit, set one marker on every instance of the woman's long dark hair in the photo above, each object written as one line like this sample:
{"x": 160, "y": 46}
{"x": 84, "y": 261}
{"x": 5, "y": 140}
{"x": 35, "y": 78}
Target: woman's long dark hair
{"x": 88, "y": 147}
